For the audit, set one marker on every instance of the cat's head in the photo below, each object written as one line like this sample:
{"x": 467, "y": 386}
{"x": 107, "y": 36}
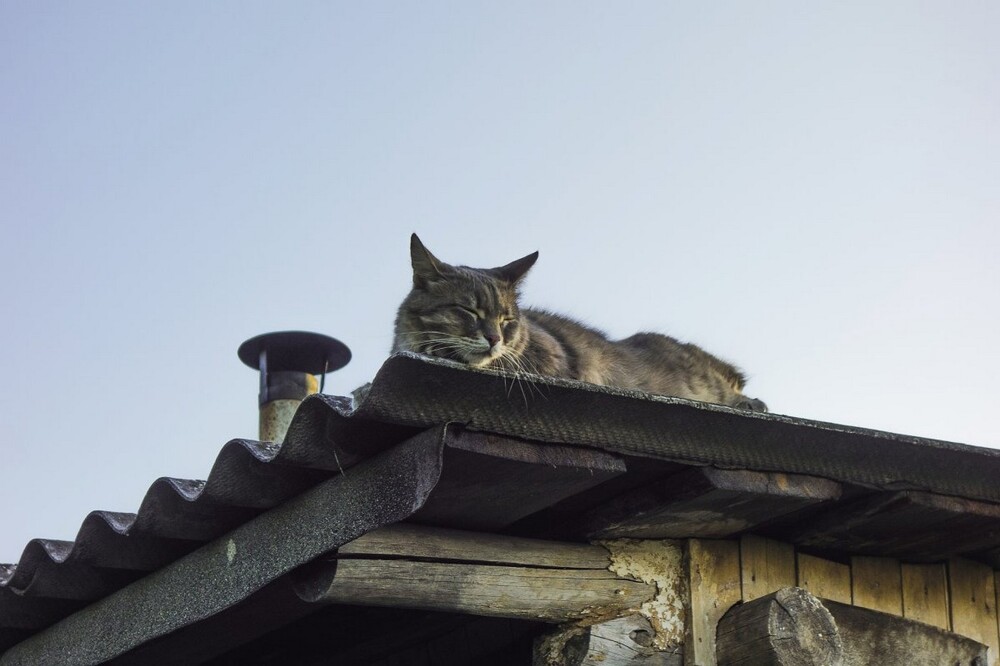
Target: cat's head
{"x": 464, "y": 314}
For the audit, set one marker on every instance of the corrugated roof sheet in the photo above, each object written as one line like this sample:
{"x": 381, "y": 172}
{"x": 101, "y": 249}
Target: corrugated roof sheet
{"x": 410, "y": 394}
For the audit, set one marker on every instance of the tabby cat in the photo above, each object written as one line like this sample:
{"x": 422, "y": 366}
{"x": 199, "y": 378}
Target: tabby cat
{"x": 472, "y": 315}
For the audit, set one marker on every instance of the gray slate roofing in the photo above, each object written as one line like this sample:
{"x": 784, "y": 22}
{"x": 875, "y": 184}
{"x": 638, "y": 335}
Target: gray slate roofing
{"x": 606, "y": 457}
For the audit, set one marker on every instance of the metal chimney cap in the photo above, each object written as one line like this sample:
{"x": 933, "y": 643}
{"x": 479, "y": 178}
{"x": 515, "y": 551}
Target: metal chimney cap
{"x": 295, "y": 351}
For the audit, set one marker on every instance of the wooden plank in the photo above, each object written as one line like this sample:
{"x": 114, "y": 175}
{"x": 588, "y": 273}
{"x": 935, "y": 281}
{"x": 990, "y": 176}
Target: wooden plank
{"x": 490, "y": 481}
{"x": 876, "y": 583}
{"x": 824, "y": 578}
{"x": 766, "y": 566}
{"x": 705, "y": 502}
{"x": 973, "y": 603}
{"x": 925, "y": 594}
{"x": 418, "y": 541}
{"x": 714, "y": 584}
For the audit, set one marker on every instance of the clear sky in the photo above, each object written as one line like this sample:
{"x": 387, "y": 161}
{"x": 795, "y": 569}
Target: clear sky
{"x": 809, "y": 190}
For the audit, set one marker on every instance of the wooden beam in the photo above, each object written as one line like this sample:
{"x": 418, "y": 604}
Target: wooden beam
{"x": 408, "y": 566}
{"x": 789, "y": 627}
{"x": 909, "y": 525}
{"x": 766, "y": 566}
{"x": 871, "y": 637}
{"x": 793, "y": 627}
{"x": 714, "y": 584}
{"x": 705, "y": 502}
{"x": 442, "y": 544}
{"x": 551, "y": 595}
{"x": 824, "y": 578}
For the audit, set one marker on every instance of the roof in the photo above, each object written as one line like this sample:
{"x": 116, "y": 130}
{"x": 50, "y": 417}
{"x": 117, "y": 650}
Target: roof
{"x": 437, "y": 443}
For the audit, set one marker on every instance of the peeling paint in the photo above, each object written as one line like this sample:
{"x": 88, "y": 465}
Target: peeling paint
{"x": 659, "y": 563}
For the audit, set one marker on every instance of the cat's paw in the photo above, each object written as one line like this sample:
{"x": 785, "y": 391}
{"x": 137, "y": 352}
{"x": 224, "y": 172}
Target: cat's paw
{"x": 750, "y": 404}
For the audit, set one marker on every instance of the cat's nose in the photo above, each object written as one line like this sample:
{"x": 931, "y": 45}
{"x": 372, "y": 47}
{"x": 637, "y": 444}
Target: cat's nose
{"x": 493, "y": 339}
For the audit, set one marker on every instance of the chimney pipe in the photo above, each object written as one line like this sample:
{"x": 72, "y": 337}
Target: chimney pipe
{"x": 289, "y": 362}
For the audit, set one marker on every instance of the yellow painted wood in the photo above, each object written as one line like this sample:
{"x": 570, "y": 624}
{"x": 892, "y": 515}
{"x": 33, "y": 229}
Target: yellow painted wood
{"x": 972, "y": 590}
{"x": 825, "y": 579}
{"x": 766, "y": 566}
{"x": 876, "y": 583}
{"x": 925, "y": 594}
{"x": 714, "y": 584}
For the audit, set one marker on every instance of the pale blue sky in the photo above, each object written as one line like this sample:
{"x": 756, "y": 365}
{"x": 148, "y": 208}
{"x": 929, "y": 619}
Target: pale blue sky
{"x": 811, "y": 191}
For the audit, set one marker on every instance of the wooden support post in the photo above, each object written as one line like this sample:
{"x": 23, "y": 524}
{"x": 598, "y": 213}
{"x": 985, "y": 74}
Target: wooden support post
{"x": 714, "y": 584}
{"x": 789, "y": 627}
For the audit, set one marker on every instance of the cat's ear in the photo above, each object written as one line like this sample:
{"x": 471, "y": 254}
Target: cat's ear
{"x": 426, "y": 267}
{"x": 515, "y": 271}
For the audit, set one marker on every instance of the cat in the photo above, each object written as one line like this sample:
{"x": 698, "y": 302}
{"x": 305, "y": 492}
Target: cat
{"x": 472, "y": 315}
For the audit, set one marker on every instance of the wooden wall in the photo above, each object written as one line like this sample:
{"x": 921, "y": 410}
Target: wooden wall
{"x": 958, "y": 595}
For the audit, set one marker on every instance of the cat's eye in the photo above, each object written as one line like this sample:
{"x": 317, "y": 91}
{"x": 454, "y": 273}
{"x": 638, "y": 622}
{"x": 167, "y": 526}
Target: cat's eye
{"x": 468, "y": 311}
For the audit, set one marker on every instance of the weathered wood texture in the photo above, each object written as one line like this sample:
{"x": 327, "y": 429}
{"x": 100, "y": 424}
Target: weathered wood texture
{"x": 553, "y": 595}
{"x": 973, "y": 603}
{"x": 925, "y": 594}
{"x": 714, "y": 584}
{"x": 436, "y": 543}
{"x": 876, "y": 583}
{"x": 766, "y": 566}
{"x": 706, "y": 502}
{"x": 792, "y": 628}
{"x": 619, "y": 642}
{"x": 789, "y": 627}
{"x": 411, "y": 566}
{"x": 510, "y": 479}
{"x": 824, "y": 578}
{"x": 910, "y": 525}
{"x": 871, "y": 637}
{"x": 408, "y": 566}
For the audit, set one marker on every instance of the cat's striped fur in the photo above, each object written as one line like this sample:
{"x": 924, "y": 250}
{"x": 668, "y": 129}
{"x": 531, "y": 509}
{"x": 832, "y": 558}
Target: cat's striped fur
{"x": 472, "y": 315}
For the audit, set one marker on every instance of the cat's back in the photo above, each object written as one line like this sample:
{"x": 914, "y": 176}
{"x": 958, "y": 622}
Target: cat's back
{"x": 564, "y": 347}
{"x": 564, "y": 327}
{"x": 652, "y": 362}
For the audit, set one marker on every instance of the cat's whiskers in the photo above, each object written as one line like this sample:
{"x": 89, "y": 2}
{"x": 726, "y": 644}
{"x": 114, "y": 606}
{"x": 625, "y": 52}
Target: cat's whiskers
{"x": 520, "y": 367}
{"x": 510, "y": 363}
{"x": 452, "y": 345}
{"x": 528, "y": 367}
